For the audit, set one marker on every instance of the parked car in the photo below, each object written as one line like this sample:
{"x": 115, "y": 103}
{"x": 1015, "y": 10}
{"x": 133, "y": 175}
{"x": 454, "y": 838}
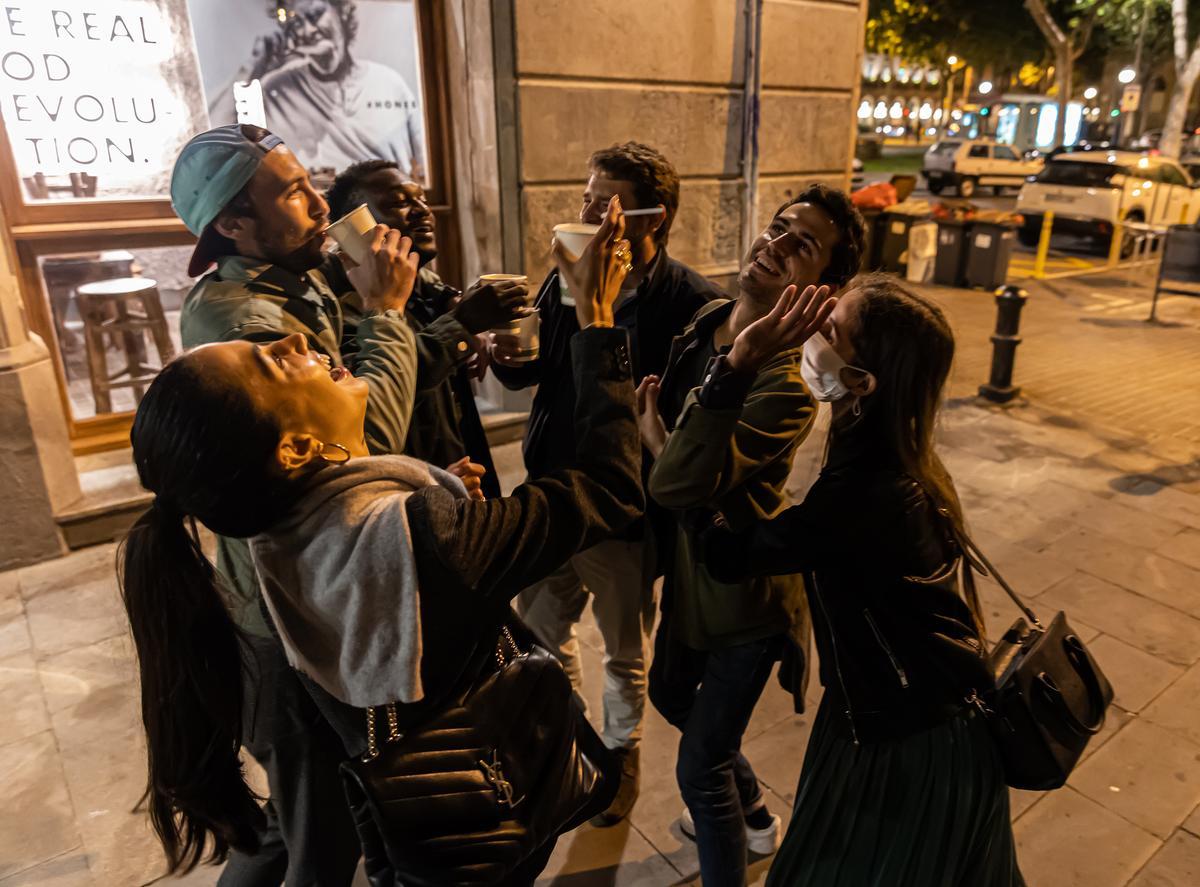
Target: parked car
{"x": 1191, "y": 165}
{"x": 968, "y": 163}
{"x": 1091, "y": 192}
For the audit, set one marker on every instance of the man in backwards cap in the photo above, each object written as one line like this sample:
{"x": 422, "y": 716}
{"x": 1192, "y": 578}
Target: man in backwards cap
{"x": 259, "y": 219}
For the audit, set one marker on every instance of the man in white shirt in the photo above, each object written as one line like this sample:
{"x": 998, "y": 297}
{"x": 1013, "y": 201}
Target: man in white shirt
{"x": 331, "y": 109}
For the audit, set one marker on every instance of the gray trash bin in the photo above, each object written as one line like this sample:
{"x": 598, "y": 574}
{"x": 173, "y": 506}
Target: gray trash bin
{"x": 990, "y": 247}
{"x": 951, "y": 264}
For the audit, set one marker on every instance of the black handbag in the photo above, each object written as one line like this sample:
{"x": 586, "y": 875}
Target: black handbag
{"x": 1050, "y": 696}
{"x": 469, "y": 794}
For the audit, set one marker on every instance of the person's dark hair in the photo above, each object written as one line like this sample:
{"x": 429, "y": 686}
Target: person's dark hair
{"x": 346, "y": 191}
{"x": 653, "y": 178}
{"x": 205, "y": 451}
{"x": 848, "y": 251}
{"x": 905, "y": 341}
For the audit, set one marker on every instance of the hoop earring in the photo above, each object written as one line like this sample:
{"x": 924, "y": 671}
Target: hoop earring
{"x": 856, "y": 407}
{"x": 325, "y": 458}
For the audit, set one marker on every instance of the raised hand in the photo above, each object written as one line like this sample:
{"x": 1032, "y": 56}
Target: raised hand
{"x": 386, "y": 280}
{"x": 270, "y": 51}
{"x": 470, "y": 473}
{"x": 795, "y": 317}
{"x": 650, "y": 422}
{"x": 492, "y": 304}
{"x": 594, "y": 279}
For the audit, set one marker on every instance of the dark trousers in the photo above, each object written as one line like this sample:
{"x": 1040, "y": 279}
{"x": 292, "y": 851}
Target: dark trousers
{"x": 309, "y": 840}
{"x": 709, "y": 696}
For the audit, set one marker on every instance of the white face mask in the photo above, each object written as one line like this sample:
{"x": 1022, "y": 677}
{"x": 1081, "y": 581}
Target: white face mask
{"x": 822, "y": 367}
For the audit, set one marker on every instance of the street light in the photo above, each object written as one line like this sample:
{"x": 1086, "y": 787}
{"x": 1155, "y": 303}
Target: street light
{"x": 1090, "y": 93}
{"x": 952, "y": 61}
{"x": 985, "y": 86}
{"x": 1127, "y": 75}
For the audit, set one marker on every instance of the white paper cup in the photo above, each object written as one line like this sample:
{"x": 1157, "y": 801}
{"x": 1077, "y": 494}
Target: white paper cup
{"x": 496, "y": 278}
{"x": 510, "y": 329}
{"x": 352, "y": 233}
{"x": 527, "y": 329}
{"x": 574, "y": 236}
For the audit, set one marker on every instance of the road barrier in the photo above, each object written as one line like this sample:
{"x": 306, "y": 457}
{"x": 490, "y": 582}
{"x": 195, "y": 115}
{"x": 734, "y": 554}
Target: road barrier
{"x": 1146, "y": 242}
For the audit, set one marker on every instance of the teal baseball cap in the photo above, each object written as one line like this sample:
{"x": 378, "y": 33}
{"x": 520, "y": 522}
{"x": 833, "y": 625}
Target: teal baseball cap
{"x": 211, "y": 169}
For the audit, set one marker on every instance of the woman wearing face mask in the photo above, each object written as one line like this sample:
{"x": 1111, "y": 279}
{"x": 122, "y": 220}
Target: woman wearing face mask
{"x": 385, "y": 582}
{"x": 901, "y": 784}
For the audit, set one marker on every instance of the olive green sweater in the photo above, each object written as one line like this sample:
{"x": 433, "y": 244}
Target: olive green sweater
{"x": 736, "y": 462}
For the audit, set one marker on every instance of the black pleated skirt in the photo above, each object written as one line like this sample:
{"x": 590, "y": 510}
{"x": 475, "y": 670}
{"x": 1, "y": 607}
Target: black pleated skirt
{"x": 928, "y": 810}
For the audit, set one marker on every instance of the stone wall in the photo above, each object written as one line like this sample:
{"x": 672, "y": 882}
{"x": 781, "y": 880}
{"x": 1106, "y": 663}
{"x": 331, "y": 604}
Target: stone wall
{"x": 37, "y": 472}
{"x": 675, "y": 74}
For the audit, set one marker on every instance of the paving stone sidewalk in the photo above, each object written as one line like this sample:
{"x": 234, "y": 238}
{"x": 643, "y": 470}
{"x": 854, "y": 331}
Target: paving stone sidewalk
{"x": 1085, "y": 492}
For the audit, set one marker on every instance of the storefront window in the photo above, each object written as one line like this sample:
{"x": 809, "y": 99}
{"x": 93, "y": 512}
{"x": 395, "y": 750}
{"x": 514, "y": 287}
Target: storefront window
{"x": 338, "y": 80}
{"x": 116, "y": 318}
{"x": 98, "y": 95}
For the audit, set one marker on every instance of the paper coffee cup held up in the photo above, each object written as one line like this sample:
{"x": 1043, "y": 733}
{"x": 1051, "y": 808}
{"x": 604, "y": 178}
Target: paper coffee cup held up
{"x": 352, "y": 232}
{"x": 525, "y": 328}
{"x": 574, "y": 236}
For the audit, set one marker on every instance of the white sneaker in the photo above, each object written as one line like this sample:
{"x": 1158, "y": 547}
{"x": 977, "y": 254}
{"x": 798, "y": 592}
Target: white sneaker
{"x": 759, "y": 841}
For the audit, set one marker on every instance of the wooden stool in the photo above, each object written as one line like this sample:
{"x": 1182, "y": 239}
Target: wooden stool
{"x": 108, "y": 308}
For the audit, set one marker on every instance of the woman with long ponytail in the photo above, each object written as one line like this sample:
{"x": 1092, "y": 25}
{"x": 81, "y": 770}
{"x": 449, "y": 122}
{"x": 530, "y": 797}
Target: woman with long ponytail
{"x": 901, "y": 783}
{"x": 387, "y": 586}
{"x": 190, "y": 652}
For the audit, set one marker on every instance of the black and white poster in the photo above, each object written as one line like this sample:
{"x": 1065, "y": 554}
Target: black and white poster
{"x": 338, "y": 80}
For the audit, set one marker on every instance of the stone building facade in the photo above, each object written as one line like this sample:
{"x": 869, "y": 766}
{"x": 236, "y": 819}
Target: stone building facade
{"x": 751, "y": 99}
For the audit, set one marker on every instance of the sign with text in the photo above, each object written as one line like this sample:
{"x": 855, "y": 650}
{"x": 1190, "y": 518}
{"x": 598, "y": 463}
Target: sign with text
{"x": 98, "y": 96}
{"x": 1131, "y": 97}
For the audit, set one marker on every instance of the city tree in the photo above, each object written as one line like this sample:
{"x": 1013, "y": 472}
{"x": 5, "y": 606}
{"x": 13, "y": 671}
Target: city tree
{"x": 1186, "y": 47}
{"x": 1066, "y": 27}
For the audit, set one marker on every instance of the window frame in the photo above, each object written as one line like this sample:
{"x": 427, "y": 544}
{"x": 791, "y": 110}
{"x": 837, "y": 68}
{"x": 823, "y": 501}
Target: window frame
{"x": 72, "y": 226}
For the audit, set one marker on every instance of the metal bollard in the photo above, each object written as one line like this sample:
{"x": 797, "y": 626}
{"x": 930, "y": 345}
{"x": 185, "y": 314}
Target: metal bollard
{"x": 1009, "y": 302}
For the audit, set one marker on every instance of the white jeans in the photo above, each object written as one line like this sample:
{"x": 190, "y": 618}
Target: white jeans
{"x": 620, "y": 578}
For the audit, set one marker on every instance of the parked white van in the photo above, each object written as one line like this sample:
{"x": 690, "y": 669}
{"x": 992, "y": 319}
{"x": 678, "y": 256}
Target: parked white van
{"x": 969, "y": 163}
{"x": 1091, "y": 191}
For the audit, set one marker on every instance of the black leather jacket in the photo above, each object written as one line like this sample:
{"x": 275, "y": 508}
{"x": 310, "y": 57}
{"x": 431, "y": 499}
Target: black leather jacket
{"x": 898, "y": 648}
{"x": 665, "y": 304}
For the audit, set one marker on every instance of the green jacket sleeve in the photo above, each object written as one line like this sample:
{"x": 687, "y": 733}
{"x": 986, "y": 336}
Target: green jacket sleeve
{"x": 712, "y": 452}
{"x": 387, "y": 359}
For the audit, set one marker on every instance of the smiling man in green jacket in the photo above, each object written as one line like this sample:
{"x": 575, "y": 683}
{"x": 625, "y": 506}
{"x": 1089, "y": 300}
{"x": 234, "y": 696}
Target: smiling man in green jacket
{"x": 717, "y": 643}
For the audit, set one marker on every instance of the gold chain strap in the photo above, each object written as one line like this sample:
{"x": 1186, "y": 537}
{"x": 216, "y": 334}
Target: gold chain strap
{"x": 393, "y": 723}
{"x": 500, "y": 659}
{"x": 372, "y": 745}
